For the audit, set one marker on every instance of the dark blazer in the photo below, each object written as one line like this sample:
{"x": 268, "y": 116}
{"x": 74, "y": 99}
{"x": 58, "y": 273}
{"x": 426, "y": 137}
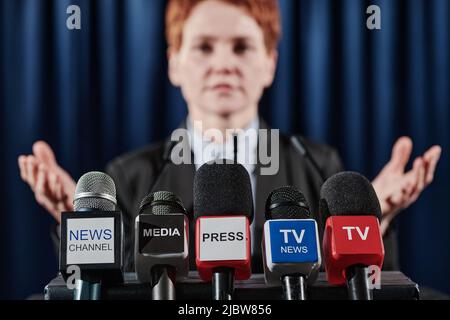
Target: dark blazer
{"x": 148, "y": 170}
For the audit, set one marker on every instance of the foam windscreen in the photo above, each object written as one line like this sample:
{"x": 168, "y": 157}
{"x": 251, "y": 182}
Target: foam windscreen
{"x": 222, "y": 189}
{"x": 349, "y": 194}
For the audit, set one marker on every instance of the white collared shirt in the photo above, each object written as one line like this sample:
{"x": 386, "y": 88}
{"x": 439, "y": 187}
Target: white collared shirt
{"x": 247, "y": 152}
{"x": 247, "y": 149}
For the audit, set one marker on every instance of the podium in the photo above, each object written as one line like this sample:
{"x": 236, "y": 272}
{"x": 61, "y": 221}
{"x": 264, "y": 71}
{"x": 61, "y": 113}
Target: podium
{"x": 394, "y": 286}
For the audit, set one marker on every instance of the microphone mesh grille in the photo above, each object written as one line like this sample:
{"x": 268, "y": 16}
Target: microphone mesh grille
{"x": 161, "y": 203}
{"x": 101, "y": 186}
{"x": 293, "y": 204}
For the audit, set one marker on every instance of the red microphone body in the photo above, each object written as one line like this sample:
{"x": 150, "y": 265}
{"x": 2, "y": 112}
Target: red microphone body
{"x": 349, "y": 241}
{"x": 223, "y": 209}
{"x": 223, "y": 242}
{"x": 352, "y": 241}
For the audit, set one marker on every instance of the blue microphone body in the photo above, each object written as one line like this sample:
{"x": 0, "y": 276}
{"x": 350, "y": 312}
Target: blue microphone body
{"x": 291, "y": 246}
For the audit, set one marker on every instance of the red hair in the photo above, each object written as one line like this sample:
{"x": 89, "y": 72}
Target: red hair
{"x": 265, "y": 12}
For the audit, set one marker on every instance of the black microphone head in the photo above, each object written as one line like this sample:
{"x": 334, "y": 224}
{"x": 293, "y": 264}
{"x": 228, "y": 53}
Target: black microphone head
{"x": 349, "y": 194}
{"x": 287, "y": 203}
{"x": 95, "y": 191}
{"x": 222, "y": 189}
{"x": 161, "y": 203}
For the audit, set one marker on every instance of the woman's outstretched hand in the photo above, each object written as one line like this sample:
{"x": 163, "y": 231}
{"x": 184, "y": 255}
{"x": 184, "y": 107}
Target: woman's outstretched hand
{"x": 397, "y": 188}
{"x": 53, "y": 187}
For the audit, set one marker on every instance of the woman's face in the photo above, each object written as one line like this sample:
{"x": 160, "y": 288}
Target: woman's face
{"x": 223, "y": 65}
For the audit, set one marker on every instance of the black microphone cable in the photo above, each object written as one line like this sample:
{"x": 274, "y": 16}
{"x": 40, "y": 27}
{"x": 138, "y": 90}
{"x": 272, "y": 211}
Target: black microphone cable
{"x": 303, "y": 150}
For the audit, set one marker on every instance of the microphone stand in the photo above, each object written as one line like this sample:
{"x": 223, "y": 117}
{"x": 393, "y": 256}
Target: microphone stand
{"x": 223, "y": 283}
{"x": 294, "y": 287}
{"x": 164, "y": 283}
{"x": 87, "y": 290}
{"x": 357, "y": 283}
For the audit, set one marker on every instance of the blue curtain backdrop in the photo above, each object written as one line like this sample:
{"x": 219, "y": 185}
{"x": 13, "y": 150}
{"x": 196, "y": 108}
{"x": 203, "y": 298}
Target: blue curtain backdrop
{"x": 103, "y": 90}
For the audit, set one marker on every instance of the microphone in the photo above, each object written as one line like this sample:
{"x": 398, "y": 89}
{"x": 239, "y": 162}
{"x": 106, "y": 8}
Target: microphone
{"x": 161, "y": 243}
{"x": 91, "y": 236}
{"x": 352, "y": 239}
{"x": 223, "y": 209}
{"x": 291, "y": 250}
